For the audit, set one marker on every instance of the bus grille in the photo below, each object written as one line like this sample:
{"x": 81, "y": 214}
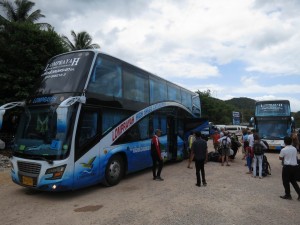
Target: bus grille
{"x": 32, "y": 168}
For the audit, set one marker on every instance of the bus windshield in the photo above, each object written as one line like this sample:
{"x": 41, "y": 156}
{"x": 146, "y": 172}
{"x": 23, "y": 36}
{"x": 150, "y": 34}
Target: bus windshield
{"x": 276, "y": 130}
{"x": 38, "y": 136}
{"x": 273, "y": 109}
{"x": 66, "y": 73}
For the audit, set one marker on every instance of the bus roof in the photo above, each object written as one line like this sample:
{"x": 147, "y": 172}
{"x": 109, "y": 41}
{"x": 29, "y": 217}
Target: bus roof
{"x": 97, "y": 51}
{"x": 273, "y": 101}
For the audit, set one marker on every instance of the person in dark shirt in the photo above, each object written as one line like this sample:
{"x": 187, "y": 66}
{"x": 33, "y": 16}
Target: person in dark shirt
{"x": 199, "y": 149}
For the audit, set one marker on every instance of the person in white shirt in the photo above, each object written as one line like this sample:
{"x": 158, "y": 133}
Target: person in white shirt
{"x": 251, "y": 138}
{"x": 289, "y": 157}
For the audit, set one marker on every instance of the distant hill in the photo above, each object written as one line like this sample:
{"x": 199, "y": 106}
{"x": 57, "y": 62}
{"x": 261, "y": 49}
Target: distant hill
{"x": 242, "y": 103}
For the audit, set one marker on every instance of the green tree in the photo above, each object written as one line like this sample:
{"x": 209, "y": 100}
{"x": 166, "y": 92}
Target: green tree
{"x": 24, "y": 51}
{"x": 20, "y": 12}
{"x": 215, "y": 110}
{"x": 82, "y": 40}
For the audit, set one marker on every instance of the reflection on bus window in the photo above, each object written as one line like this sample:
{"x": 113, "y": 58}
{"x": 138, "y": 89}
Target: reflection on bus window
{"x": 139, "y": 131}
{"x": 88, "y": 128}
{"x": 174, "y": 93}
{"x": 186, "y": 99}
{"x": 136, "y": 87}
{"x": 158, "y": 91}
{"x": 106, "y": 78}
{"x": 111, "y": 117}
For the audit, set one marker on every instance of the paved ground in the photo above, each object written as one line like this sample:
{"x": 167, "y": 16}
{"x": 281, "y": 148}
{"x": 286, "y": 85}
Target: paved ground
{"x": 231, "y": 197}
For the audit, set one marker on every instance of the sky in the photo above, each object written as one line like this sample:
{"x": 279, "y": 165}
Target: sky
{"x": 233, "y": 48}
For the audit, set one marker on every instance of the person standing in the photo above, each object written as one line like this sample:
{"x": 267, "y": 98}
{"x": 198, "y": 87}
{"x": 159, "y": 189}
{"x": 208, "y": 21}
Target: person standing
{"x": 225, "y": 143}
{"x": 191, "y": 139}
{"x": 244, "y": 138}
{"x": 289, "y": 157}
{"x": 295, "y": 140}
{"x": 199, "y": 149}
{"x": 156, "y": 156}
{"x": 235, "y": 144}
{"x": 222, "y": 132}
{"x": 251, "y": 138}
{"x": 249, "y": 156}
{"x": 216, "y": 137}
{"x": 258, "y": 149}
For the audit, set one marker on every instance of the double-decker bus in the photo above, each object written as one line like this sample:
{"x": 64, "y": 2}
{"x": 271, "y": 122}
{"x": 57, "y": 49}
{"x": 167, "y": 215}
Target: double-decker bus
{"x": 273, "y": 121}
{"x": 91, "y": 120}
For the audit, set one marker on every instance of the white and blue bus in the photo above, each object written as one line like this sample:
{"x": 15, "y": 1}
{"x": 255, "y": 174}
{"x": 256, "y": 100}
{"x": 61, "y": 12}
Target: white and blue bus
{"x": 273, "y": 121}
{"x": 91, "y": 120}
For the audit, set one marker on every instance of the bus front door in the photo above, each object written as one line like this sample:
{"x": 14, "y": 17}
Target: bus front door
{"x": 172, "y": 139}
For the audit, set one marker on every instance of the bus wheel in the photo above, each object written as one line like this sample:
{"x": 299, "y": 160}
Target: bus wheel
{"x": 114, "y": 170}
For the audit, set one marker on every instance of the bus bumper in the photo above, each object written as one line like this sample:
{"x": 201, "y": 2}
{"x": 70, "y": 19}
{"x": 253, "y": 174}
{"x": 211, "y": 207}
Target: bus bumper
{"x": 42, "y": 185}
{"x": 275, "y": 145}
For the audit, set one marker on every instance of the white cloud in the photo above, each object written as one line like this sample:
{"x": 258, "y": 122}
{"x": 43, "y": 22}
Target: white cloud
{"x": 190, "y": 40}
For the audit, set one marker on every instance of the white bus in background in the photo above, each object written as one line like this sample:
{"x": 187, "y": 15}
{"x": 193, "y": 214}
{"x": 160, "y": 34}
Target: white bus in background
{"x": 237, "y": 129}
{"x": 220, "y": 126}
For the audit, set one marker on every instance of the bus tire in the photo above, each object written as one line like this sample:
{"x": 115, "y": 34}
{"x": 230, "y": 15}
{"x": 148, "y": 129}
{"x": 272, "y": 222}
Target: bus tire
{"x": 114, "y": 170}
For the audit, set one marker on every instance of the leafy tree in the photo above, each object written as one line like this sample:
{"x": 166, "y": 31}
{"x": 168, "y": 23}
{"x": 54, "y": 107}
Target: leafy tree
{"x": 20, "y": 12}
{"x": 24, "y": 51}
{"x": 245, "y": 106}
{"x": 215, "y": 110}
{"x": 82, "y": 40}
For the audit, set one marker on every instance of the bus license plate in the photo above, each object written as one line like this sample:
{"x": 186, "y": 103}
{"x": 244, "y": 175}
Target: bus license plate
{"x": 27, "y": 181}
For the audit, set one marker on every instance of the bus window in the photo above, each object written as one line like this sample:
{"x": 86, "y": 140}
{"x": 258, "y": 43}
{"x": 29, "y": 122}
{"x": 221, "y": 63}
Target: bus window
{"x": 144, "y": 128}
{"x": 139, "y": 131}
{"x": 112, "y": 117}
{"x": 106, "y": 78}
{"x": 160, "y": 122}
{"x": 174, "y": 93}
{"x": 186, "y": 99}
{"x": 136, "y": 87}
{"x": 158, "y": 91}
{"x": 88, "y": 128}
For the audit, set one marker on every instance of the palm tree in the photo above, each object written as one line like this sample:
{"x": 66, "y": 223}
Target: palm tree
{"x": 20, "y": 12}
{"x": 82, "y": 40}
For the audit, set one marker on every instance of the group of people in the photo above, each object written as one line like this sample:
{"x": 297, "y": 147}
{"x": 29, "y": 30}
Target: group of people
{"x": 198, "y": 152}
{"x": 253, "y": 151}
{"x": 224, "y": 143}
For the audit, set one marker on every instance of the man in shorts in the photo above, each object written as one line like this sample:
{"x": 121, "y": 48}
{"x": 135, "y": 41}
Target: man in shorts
{"x": 225, "y": 147}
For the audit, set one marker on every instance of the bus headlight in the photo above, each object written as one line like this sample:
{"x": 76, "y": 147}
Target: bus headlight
{"x": 57, "y": 172}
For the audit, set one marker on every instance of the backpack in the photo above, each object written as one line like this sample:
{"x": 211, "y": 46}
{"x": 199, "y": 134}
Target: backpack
{"x": 258, "y": 149}
{"x": 266, "y": 167}
{"x": 224, "y": 143}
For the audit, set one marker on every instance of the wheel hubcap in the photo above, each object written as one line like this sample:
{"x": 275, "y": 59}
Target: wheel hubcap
{"x": 114, "y": 170}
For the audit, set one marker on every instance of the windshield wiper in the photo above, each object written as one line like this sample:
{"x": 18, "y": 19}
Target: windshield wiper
{"x": 42, "y": 158}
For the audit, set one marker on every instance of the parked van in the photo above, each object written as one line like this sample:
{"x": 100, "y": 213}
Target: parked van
{"x": 205, "y": 133}
{"x": 237, "y": 129}
{"x": 220, "y": 126}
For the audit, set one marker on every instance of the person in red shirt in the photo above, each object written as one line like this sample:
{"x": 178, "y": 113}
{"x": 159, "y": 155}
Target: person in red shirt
{"x": 156, "y": 156}
{"x": 216, "y": 136}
